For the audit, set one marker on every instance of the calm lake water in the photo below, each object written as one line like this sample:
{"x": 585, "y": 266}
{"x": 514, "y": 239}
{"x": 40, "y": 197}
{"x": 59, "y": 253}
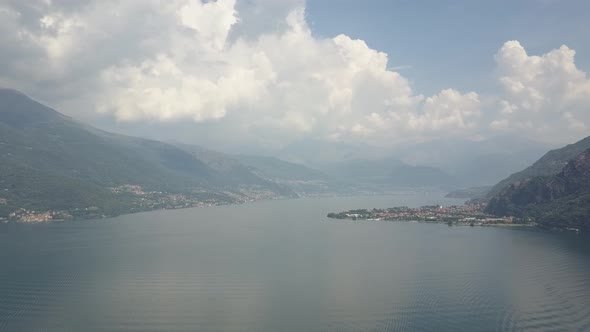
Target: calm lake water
{"x": 283, "y": 266}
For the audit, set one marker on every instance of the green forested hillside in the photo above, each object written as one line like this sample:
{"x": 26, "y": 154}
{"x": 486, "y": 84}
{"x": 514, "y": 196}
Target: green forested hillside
{"x": 49, "y": 161}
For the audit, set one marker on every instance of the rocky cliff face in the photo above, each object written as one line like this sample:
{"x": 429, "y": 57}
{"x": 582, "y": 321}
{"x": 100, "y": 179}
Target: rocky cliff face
{"x": 561, "y": 200}
{"x": 578, "y": 167}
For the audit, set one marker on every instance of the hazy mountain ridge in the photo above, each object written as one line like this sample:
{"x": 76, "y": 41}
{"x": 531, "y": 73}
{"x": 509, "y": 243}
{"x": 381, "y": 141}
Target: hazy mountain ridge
{"x": 276, "y": 168}
{"x": 296, "y": 178}
{"x": 469, "y": 162}
{"x": 549, "y": 164}
{"x": 302, "y": 179}
{"x": 474, "y": 163}
{"x": 389, "y": 173}
{"x": 555, "y": 201}
{"x": 470, "y": 193}
{"x": 229, "y": 169}
{"x": 47, "y": 156}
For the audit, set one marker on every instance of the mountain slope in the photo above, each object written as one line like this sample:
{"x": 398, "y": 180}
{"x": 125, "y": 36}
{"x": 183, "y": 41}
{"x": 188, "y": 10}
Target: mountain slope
{"x": 46, "y": 156}
{"x": 551, "y": 163}
{"x": 275, "y": 168}
{"x": 229, "y": 168}
{"x": 560, "y": 201}
{"x": 474, "y": 163}
{"x": 470, "y": 193}
{"x": 420, "y": 176}
{"x": 302, "y": 179}
{"x": 389, "y": 173}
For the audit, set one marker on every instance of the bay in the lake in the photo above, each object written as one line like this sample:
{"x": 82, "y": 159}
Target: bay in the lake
{"x": 283, "y": 266}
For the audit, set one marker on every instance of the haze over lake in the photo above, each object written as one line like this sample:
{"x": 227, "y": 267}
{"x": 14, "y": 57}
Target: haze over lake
{"x": 283, "y": 266}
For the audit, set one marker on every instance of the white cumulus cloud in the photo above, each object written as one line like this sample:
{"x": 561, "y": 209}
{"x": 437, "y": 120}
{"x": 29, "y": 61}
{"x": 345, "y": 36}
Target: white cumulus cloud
{"x": 255, "y": 72}
{"x": 546, "y": 96}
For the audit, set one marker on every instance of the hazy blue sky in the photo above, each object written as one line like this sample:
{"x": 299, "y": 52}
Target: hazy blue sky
{"x": 269, "y": 73}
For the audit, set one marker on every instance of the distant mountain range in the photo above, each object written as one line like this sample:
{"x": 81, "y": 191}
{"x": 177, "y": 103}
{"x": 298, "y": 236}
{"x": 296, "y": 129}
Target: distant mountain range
{"x": 474, "y": 163}
{"x": 389, "y": 172}
{"x": 461, "y": 163}
{"x": 470, "y": 193}
{"x": 554, "y": 191}
{"x": 52, "y": 162}
{"x": 300, "y": 179}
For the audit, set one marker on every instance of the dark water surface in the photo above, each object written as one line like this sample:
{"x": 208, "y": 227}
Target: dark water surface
{"x": 282, "y": 266}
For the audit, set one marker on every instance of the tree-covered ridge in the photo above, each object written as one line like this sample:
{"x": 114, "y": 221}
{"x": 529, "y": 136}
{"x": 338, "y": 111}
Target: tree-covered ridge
{"x": 555, "y": 201}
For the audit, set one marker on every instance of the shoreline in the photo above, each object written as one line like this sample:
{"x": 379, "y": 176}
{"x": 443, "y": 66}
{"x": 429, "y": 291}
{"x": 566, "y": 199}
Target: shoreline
{"x": 443, "y": 223}
{"x": 322, "y": 195}
{"x": 531, "y": 226}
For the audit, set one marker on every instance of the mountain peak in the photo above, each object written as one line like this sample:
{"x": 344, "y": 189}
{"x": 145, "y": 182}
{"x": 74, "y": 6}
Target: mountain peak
{"x": 18, "y": 110}
{"x": 11, "y": 91}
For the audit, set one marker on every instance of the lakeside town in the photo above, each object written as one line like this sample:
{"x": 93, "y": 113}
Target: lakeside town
{"x": 140, "y": 200}
{"x": 467, "y": 215}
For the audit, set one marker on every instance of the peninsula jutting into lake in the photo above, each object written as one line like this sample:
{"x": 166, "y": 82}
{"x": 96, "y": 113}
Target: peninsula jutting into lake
{"x": 472, "y": 215}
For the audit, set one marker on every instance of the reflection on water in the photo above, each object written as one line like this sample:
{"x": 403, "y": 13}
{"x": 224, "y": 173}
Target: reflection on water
{"x": 283, "y": 266}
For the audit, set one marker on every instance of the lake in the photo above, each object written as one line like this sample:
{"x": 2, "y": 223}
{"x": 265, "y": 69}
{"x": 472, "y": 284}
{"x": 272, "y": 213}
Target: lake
{"x": 283, "y": 266}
